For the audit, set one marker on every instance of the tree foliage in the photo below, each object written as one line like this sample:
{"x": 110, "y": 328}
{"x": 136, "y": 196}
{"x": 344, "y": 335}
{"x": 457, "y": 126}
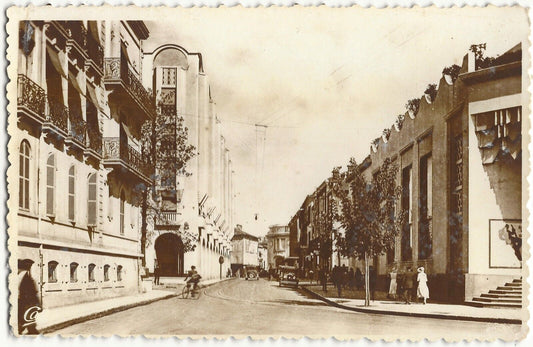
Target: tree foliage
{"x": 413, "y": 105}
{"x": 368, "y": 211}
{"x": 452, "y": 70}
{"x": 431, "y": 90}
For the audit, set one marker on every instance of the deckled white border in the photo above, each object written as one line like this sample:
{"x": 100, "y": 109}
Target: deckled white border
{"x": 5, "y": 337}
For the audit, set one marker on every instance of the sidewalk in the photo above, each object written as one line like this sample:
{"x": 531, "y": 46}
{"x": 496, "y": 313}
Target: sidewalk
{"x": 430, "y": 310}
{"x": 59, "y": 317}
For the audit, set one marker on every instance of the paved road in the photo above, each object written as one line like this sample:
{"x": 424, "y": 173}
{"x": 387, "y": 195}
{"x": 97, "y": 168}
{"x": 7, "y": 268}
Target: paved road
{"x": 240, "y": 307}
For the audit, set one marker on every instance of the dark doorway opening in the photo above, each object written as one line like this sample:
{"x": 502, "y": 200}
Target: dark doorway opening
{"x": 169, "y": 253}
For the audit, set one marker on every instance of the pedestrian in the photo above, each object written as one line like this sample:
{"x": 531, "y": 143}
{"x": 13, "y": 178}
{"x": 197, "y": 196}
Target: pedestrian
{"x": 372, "y": 280}
{"x": 28, "y": 299}
{"x": 338, "y": 279}
{"x": 351, "y": 279}
{"x": 311, "y": 275}
{"x": 156, "y": 274}
{"x": 323, "y": 275}
{"x": 408, "y": 284}
{"x": 422, "y": 279}
{"x": 393, "y": 286}
{"x": 334, "y": 276}
{"x": 358, "y": 279}
{"x": 344, "y": 277}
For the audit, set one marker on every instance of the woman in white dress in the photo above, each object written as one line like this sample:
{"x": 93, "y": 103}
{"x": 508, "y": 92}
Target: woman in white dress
{"x": 422, "y": 279}
{"x": 393, "y": 283}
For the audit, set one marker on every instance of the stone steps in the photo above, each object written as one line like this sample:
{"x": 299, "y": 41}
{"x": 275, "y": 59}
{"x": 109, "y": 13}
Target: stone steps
{"x": 506, "y": 296}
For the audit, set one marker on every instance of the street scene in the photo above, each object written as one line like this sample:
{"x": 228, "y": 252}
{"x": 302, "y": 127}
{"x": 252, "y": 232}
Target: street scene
{"x": 354, "y": 173}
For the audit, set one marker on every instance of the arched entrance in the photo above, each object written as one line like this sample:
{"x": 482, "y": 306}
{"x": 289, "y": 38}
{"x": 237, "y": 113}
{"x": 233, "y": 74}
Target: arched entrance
{"x": 169, "y": 253}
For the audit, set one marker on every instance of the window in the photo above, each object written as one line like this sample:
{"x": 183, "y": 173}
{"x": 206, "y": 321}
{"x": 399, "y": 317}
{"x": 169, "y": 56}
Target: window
{"x": 119, "y": 273}
{"x": 106, "y": 273}
{"x": 91, "y": 272}
{"x": 91, "y": 200}
{"x": 122, "y": 206}
{"x": 52, "y": 271}
{"x": 71, "y": 192}
{"x": 24, "y": 175}
{"x": 73, "y": 272}
{"x": 407, "y": 203}
{"x": 50, "y": 185}
{"x": 425, "y": 206}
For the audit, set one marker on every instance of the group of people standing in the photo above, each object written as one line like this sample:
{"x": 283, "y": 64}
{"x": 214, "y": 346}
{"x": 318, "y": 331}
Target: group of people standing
{"x": 402, "y": 285}
{"x": 346, "y": 278}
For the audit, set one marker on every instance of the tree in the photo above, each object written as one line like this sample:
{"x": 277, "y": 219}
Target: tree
{"x": 413, "y": 105}
{"x": 166, "y": 151}
{"x": 367, "y": 212}
{"x": 431, "y": 90}
{"x": 452, "y": 71}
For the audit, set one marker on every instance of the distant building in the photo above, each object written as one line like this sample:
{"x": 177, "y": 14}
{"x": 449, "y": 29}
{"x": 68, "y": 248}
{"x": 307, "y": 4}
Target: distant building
{"x": 278, "y": 245}
{"x": 245, "y": 250}
{"x": 262, "y": 253}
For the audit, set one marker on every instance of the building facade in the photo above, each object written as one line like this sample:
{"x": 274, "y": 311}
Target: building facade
{"x": 80, "y": 108}
{"x": 200, "y": 203}
{"x": 278, "y": 245}
{"x": 245, "y": 249}
{"x": 459, "y": 159}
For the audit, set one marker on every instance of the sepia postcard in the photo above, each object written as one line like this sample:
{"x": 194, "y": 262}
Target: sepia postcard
{"x": 269, "y": 172}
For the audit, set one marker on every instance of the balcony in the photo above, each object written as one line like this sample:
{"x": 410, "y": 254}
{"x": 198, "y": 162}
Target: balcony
{"x": 77, "y": 130}
{"x": 168, "y": 221}
{"x": 119, "y": 77}
{"x": 31, "y": 99}
{"x": 76, "y": 36}
{"x": 96, "y": 55}
{"x": 93, "y": 142}
{"x": 120, "y": 155}
{"x": 56, "y": 120}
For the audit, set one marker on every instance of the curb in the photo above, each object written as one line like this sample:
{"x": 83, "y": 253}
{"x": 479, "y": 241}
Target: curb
{"x": 412, "y": 314}
{"x": 57, "y": 326}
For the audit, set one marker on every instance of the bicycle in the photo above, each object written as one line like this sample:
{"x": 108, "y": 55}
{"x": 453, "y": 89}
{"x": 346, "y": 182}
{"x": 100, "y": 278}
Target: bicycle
{"x": 194, "y": 293}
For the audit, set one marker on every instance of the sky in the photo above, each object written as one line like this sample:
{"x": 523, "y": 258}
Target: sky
{"x": 324, "y": 81}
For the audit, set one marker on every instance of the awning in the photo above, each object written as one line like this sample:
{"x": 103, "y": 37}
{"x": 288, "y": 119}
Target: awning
{"x": 72, "y": 78}
{"x": 91, "y": 93}
{"x": 57, "y": 61}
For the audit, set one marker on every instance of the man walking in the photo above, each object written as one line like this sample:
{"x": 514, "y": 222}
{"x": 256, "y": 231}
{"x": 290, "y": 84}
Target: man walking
{"x": 408, "y": 285}
{"x": 156, "y": 274}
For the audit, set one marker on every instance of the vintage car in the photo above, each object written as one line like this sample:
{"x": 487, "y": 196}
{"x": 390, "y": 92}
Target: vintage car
{"x": 287, "y": 276}
{"x": 251, "y": 273}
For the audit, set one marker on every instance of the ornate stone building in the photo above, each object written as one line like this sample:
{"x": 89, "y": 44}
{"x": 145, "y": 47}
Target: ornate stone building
{"x": 80, "y": 106}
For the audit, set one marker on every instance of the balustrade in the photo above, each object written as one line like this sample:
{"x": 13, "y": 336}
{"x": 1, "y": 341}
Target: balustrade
{"x": 114, "y": 148}
{"x": 77, "y": 32}
{"x": 30, "y": 95}
{"x": 115, "y": 69}
{"x": 58, "y": 113}
{"x": 94, "y": 138}
{"x": 78, "y": 127}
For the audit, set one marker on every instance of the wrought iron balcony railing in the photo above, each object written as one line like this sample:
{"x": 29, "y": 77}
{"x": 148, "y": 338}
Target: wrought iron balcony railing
{"x": 95, "y": 52}
{"x": 76, "y": 31}
{"x": 114, "y": 148}
{"x": 57, "y": 114}
{"x": 77, "y": 126}
{"x": 31, "y": 96}
{"x": 94, "y": 139}
{"x": 115, "y": 69}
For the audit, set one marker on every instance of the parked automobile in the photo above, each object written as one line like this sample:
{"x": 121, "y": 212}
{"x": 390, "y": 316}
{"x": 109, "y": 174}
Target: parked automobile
{"x": 287, "y": 276}
{"x": 252, "y": 273}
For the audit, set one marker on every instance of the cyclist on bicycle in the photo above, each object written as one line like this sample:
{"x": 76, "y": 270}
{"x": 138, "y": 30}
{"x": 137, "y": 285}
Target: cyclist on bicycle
{"x": 193, "y": 277}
